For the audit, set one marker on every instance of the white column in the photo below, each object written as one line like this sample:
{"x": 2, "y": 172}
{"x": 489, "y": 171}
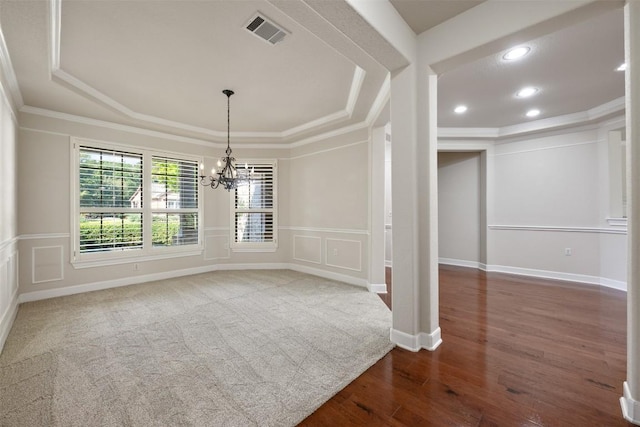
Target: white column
{"x": 404, "y": 207}
{"x": 427, "y": 168}
{"x": 414, "y": 206}
{"x": 630, "y": 401}
{"x": 376, "y": 214}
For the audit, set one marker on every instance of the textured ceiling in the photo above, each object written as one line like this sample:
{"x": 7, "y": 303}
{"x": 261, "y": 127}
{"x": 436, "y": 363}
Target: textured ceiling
{"x": 422, "y": 15}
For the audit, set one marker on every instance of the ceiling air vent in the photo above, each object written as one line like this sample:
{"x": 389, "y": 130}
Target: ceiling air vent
{"x": 266, "y": 29}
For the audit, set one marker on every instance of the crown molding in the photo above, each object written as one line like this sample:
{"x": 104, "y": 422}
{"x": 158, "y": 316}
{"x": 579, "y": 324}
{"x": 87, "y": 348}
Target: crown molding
{"x": 381, "y": 100}
{"x": 11, "y": 90}
{"x": 83, "y": 89}
{"x": 596, "y": 114}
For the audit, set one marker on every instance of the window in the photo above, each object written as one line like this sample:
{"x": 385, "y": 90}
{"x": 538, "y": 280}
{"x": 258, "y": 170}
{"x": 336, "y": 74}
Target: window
{"x": 133, "y": 202}
{"x": 109, "y": 220}
{"x": 174, "y": 202}
{"x": 253, "y": 210}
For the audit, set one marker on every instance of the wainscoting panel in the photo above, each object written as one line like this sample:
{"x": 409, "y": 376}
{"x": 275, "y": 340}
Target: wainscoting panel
{"x": 216, "y": 247}
{"x": 343, "y": 253}
{"x": 307, "y": 248}
{"x": 8, "y": 288}
{"x": 46, "y": 264}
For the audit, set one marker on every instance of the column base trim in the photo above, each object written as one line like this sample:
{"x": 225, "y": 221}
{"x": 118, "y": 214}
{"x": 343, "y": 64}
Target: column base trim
{"x": 630, "y": 406}
{"x": 378, "y": 288}
{"x": 428, "y": 341}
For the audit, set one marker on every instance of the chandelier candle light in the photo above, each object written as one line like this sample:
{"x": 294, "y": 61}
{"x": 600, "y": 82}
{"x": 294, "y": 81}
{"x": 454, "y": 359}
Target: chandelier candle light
{"x": 228, "y": 175}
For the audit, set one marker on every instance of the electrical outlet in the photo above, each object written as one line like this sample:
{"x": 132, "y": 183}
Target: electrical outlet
{"x": 567, "y": 251}
{"x": 136, "y": 267}
{"x": 335, "y": 252}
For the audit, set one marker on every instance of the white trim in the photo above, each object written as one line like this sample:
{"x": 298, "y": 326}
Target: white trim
{"x": 6, "y": 321}
{"x": 88, "y": 91}
{"x": 614, "y": 284}
{"x": 630, "y": 406}
{"x": 617, "y": 222}
{"x": 331, "y": 134}
{"x": 377, "y": 288}
{"x": 544, "y": 274}
{"x": 460, "y": 263}
{"x": 599, "y": 112}
{"x": 327, "y": 150}
{"x": 551, "y": 147}
{"x": 110, "y": 125}
{"x": 428, "y": 341}
{"x": 326, "y": 254}
{"x": 108, "y": 284}
{"x": 354, "y": 90}
{"x": 388, "y": 263}
{"x": 14, "y": 97}
{"x": 463, "y": 133}
{"x": 329, "y": 275}
{"x": 324, "y": 230}
{"x": 126, "y": 281}
{"x": 557, "y": 275}
{"x": 225, "y": 236}
{"x": 252, "y": 266}
{"x": 8, "y": 242}
{"x": 319, "y": 261}
{"x": 33, "y": 264}
{"x": 130, "y": 258}
{"x": 44, "y": 236}
{"x": 597, "y": 230}
{"x": 383, "y": 96}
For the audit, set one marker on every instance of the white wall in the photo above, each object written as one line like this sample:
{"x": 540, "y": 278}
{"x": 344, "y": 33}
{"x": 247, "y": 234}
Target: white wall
{"x": 8, "y": 217}
{"x": 552, "y": 195}
{"x": 314, "y": 205}
{"x": 329, "y": 206}
{"x": 459, "y": 204}
{"x": 542, "y": 195}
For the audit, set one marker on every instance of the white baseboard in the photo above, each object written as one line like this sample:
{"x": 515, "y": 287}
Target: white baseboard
{"x": 428, "y": 341}
{"x": 378, "y": 288}
{"x": 107, "y": 284}
{"x": 630, "y": 406}
{"x": 6, "y": 321}
{"x": 544, "y": 274}
{"x": 329, "y": 275}
{"x": 253, "y": 266}
{"x": 459, "y": 262}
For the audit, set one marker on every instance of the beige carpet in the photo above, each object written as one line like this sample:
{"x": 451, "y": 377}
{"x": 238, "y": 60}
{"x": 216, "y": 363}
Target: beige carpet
{"x": 245, "y": 348}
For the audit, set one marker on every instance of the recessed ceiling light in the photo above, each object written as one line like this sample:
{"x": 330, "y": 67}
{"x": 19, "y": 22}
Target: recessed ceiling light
{"x": 460, "y": 109}
{"x": 533, "y": 113}
{"x": 516, "y": 53}
{"x": 622, "y": 67}
{"x": 526, "y": 92}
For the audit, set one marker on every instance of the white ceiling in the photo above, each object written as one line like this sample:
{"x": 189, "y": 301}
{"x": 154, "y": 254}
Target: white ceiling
{"x": 163, "y": 65}
{"x": 573, "y": 68}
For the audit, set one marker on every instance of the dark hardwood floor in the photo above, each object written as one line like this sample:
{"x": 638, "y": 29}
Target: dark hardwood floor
{"x": 516, "y": 351}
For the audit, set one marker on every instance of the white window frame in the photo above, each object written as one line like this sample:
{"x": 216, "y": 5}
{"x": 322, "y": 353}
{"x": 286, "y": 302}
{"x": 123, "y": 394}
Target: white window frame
{"x": 255, "y": 246}
{"x": 147, "y": 252}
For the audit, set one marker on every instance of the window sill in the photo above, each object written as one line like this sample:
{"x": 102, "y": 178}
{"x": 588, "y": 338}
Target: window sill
{"x": 131, "y": 259}
{"x": 254, "y": 249}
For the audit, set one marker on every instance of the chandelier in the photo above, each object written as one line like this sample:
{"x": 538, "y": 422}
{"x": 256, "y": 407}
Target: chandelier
{"x": 227, "y": 173}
